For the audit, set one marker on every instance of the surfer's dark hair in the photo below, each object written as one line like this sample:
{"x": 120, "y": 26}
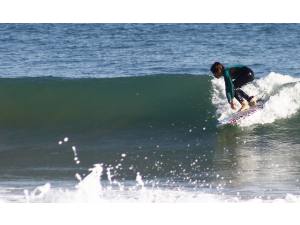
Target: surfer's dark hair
{"x": 216, "y": 66}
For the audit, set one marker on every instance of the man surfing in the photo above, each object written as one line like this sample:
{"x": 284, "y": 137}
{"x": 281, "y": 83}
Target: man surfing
{"x": 235, "y": 77}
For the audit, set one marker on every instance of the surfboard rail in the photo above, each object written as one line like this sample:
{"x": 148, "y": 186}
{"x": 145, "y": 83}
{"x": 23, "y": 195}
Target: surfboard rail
{"x": 236, "y": 117}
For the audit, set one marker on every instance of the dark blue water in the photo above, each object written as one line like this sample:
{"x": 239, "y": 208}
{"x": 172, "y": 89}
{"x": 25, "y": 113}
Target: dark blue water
{"x": 109, "y": 50}
{"x": 137, "y": 99}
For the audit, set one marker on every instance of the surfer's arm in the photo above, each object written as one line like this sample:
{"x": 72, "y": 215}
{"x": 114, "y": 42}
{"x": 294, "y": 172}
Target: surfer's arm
{"x": 228, "y": 86}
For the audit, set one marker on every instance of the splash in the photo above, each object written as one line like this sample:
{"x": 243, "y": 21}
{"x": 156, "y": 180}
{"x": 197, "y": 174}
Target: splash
{"x": 38, "y": 193}
{"x": 90, "y": 189}
{"x": 281, "y": 94}
{"x": 93, "y": 190}
{"x": 139, "y": 180}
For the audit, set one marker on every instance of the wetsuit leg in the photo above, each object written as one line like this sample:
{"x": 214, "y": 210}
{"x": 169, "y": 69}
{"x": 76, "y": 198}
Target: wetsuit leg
{"x": 239, "y": 94}
{"x": 241, "y": 81}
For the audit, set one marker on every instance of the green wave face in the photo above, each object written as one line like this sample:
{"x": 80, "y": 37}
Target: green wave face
{"x": 110, "y": 102}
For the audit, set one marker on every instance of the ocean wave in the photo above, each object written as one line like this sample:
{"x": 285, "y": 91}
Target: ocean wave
{"x": 130, "y": 102}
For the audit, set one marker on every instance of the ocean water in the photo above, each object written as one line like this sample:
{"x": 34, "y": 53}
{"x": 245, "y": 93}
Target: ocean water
{"x": 130, "y": 113}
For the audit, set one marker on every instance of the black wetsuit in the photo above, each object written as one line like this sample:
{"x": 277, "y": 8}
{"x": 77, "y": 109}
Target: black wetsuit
{"x": 235, "y": 77}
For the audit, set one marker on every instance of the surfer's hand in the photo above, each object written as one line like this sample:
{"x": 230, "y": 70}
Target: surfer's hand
{"x": 232, "y": 105}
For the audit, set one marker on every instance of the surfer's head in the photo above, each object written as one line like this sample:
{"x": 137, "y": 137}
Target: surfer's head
{"x": 217, "y": 69}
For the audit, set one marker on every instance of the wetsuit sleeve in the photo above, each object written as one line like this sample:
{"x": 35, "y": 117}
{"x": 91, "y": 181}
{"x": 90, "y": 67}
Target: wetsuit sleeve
{"x": 228, "y": 86}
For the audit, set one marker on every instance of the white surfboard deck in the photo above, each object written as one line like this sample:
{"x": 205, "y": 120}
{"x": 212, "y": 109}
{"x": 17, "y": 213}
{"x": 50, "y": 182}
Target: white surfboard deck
{"x": 237, "y": 117}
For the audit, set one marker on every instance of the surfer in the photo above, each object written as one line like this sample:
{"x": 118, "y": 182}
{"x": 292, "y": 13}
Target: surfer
{"x": 235, "y": 77}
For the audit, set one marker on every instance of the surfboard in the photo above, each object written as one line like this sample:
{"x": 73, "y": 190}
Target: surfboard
{"x": 236, "y": 117}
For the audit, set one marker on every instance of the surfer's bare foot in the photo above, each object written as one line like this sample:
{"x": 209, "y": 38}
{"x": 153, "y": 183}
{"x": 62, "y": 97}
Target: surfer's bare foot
{"x": 245, "y": 106}
{"x": 253, "y": 101}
